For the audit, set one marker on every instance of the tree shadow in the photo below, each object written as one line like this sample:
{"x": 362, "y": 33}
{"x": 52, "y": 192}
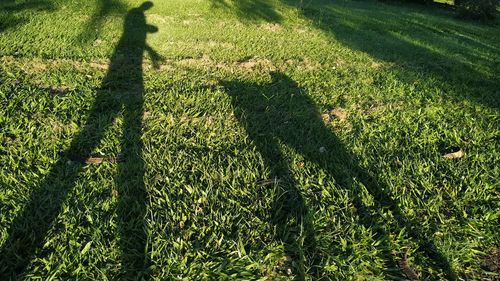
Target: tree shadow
{"x": 93, "y": 28}
{"x": 281, "y": 113}
{"x": 450, "y": 51}
{"x": 11, "y": 7}
{"x": 121, "y": 90}
{"x": 249, "y": 10}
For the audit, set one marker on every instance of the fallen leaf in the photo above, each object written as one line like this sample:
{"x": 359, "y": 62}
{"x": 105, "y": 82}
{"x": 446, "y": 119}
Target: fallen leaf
{"x": 86, "y": 248}
{"x": 453, "y": 155}
{"x": 96, "y": 160}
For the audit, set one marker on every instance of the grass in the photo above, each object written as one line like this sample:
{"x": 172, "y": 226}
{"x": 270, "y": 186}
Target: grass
{"x": 247, "y": 140}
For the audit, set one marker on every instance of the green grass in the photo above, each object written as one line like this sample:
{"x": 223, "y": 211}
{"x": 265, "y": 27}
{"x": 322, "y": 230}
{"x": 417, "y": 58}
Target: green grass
{"x": 256, "y": 140}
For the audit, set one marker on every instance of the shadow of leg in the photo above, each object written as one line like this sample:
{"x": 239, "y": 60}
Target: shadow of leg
{"x": 28, "y": 230}
{"x": 295, "y": 229}
{"x": 132, "y": 195}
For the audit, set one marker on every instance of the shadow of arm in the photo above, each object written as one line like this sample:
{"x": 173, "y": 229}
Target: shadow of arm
{"x": 156, "y": 58}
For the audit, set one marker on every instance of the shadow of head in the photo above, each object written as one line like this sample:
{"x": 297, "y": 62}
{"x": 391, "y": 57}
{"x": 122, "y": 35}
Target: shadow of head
{"x": 140, "y": 10}
{"x": 146, "y": 6}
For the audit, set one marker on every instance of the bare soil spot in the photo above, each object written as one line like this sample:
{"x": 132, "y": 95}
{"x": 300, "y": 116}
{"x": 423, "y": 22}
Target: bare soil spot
{"x": 339, "y": 113}
{"x": 56, "y": 90}
{"x": 335, "y": 114}
{"x": 300, "y": 30}
{"x": 96, "y": 160}
{"x": 376, "y": 65}
{"x": 491, "y": 263}
{"x": 255, "y": 63}
{"x": 304, "y": 64}
{"x": 273, "y": 27}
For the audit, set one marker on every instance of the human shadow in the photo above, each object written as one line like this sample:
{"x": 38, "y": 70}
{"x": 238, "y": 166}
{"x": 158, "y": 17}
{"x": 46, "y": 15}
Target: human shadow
{"x": 121, "y": 92}
{"x": 281, "y": 113}
{"x": 11, "y": 7}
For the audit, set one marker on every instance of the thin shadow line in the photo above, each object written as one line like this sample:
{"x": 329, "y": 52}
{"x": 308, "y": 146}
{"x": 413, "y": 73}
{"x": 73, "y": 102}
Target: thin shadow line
{"x": 10, "y": 19}
{"x": 94, "y": 26}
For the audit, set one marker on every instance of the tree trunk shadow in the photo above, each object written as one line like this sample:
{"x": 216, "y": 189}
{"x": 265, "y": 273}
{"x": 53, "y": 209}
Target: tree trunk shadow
{"x": 10, "y": 7}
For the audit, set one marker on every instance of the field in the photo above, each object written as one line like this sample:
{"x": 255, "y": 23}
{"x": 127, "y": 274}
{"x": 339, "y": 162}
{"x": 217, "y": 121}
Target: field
{"x": 247, "y": 140}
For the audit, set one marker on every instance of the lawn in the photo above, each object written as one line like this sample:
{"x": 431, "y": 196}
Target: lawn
{"x": 247, "y": 140}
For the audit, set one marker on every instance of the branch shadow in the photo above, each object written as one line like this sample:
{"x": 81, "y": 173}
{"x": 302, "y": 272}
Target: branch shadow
{"x": 93, "y": 28}
{"x": 249, "y": 10}
{"x": 281, "y": 112}
{"x": 11, "y": 7}
{"x": 121, "y": 90}
{"x": 452, "y": 51}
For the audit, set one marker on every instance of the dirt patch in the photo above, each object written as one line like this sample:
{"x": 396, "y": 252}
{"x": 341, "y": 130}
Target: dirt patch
{"x": 99, "y": 65}
{"x": 96, "y": 160}
{"x": 147, "y": 115}
{"x": 33, "y": 66}
{"x": 38, "y": 66}
{"x": 273, "y": 27}
{"x": 337, "y": 113}
{"x": 491, "y": 263}
{"x": 203, "y": 61}
{"x": 376, "y": 65}
{"x": 300, "y": 30}
{"x": 406, "y": 268}
{"x": 206, "y": 61}
{"x": 30, "y": 66}
{"x": 307, "y": 64}
{"x": 255, "y": 63}
{"x": 454, "y": 155}
{"x": 304, "y": 64}
{"x": 56, "y": 90}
